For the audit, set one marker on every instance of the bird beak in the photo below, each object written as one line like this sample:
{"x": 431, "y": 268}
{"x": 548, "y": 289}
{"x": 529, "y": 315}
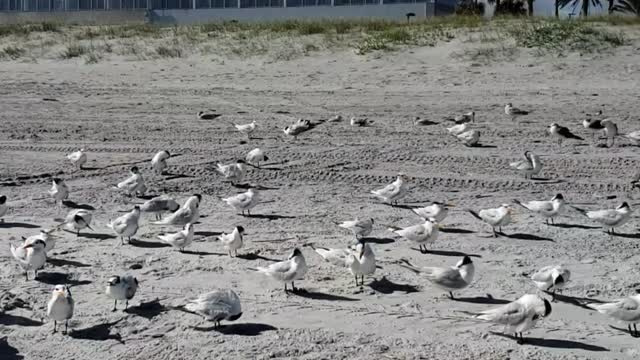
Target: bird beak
{"x": 28, "y": 246}
{"x": 450, "y": 205}
{"x": 361, "y": 253}
{"x": 90, "y": 228}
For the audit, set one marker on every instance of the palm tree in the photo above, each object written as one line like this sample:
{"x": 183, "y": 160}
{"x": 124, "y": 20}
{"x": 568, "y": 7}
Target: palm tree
{"x": 530, "y": 7}
{"x": 584, "y": 5}
{"x": 557, "y": 4}
{"x": 628, "y": 7}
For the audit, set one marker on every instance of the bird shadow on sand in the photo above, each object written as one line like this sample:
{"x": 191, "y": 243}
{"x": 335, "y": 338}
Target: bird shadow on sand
{"x": 316, "y": 295}
{"x": 75, "y": 205}
{"x": 244, "y": 329}
{"x": 207, "y": 233}
{"x": 572, "y": 226}
{"x": 147, "y": 244}
{"x": 8, "y": 319}
{"x": 520, "y": 236}
{"x": 628, "y": 236}
{"x": 554, "y": 343}
{"x": 100, "y": 332}
{"x": 4, "y": 225}
{"x": 482, "y": 300}
{"x": 485, "y": 146}
{"x": 270, "y": 217}
{"x": 371, "y": 240}
{"x": 577, "y": 301}
{"x": 254, "y": 256}
{"x": 447, "y": 253}
{"x": 171, "y": 176}
{"x": 626, "y": 331}
{"x": 148, "y": 310}
{"x": 9, "y": 352}
{"x": 96, "y": 236}
{"x": 55, "y": 278}
{"x": 386, "y": 286}
{"x": 63, "y": 262}
{"x": 146, "y": 197}
{"x": 253, "y": 186}
{"x": 202, "y": 253}
{"x": 456, "y": 231}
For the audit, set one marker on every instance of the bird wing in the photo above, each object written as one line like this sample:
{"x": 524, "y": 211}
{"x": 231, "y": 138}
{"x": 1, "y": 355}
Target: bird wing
{"x": 425, "y": 212}
{"x": 539, "y": 205}
{"x": 543, "y": 275}
{"x": 279, "y": 267}
{"x": 387, "y": 190}
{"x": 607, "y": 216}
{"x": 521, "y": 165}
{"x": 337, "y": 257}
{"x": 412, "y": 232}
{"x": 446, "y": 277}
{"x": 489, "y": 214}
{"x": 510, "y": 314}
{"x": 627, "y": 309}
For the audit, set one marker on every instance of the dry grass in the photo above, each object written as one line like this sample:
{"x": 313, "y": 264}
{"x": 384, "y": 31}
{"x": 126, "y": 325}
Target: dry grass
{"x": 287, "y": 40}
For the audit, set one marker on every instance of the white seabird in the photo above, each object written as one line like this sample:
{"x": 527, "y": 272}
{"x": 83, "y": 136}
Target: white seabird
{"x": 547, "y": 208}
{"x": 44, "y": 235}
{"x": 421, "y": 234}
{"x": 610, "y": 131}
{"x": 287, "y": 271}
{"x": 359, "y": 121}
{"x": 232, "y": 241}
{"x": 360, "y": 260}
{"x": 447, "y": 279}
{"x": 121, "y": 288}
{"x": 359, "y": 228}
{"x": 208, "y": 115}
{"x": 134, "y": 184}
{"x": 255, "y": 156}
{"x": 159, "y": 161}
{"x": 562, "y": 133}
{"x": 246, "y": 129}
{"x": 233, "y": 172}
{"x": 530, "y": 166}
{"x": 78, "y": 158}
{"x": 216, "y": 306}
{"x": 518, "y": 316}
{"x": 181, "y": 239}
{"x": 634, "y": 136}
{"x": 244, "y": 201}
{"x": 188, "y": 213}
{"x": 497, "y": 217}
{"x": 437, "y": 211}
{"x": 394, "y": 191}
{"x": 626, "y": 310}
{"x": 59, "y": 191}
{"x": 60, "y": 307}
{"x": 514, "y": 112}
{"x": 76, "y": 220}
{"x": 469, "y": 138}
{"x": 551, "y": 278}
{"x": 609, "y": 218}
{"x": 126, "y": 225}
{"x": 30, "y": 256}
{"x": 158, "y": 205}
{"x": 593, "y": 126}
{"x": 456, "y": 130}
{"x": 463, "y": 118}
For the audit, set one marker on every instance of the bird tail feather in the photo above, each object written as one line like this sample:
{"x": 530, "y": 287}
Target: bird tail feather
{"x": 475, "y": 214}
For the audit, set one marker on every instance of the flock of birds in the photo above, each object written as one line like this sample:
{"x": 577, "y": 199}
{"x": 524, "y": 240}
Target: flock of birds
{"x": 358, "y": 259}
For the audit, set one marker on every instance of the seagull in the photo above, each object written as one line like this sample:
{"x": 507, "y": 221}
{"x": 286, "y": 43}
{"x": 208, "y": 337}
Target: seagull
{"x": 633, "y": 136}
{"x": 59, "y": 190}
{"x": 610, "y": 131}
{"x": 290, "y": 270}
{"x": 76, "y": 220}
{"x": 78, "y": 158}
{"x": 158, "y": 205}
{"x": 188, "y": 213}
{"x": 551, "y": 278}
{"x": 562, "y": 133}
{"x": 232, "y": 241}
{"x": 593, "y": 125}
{"x": 335, "y": 118}
{"x": 359, "y": 228}
{"x": 255, "y": 156}
{"x": 450, "y": 278}
{"x": 233, "y": 172}
{"x": 159, "y": 161}
{"x": 43, "y": 235}
{"x": 393, "y": 191}
{"x": 30, "y": 256}
{"x": 547, "y": 208}
{"x": 126, "y": 225}
{"x": 60, "y": 307}
{"x": 207, "y": 115}
{"x": 360, "y": 260}
{"x": 216, "y": 306}
{"x": 134, "y": 184}
{"x": 437, "y": 211}
{"x": 456, "y": 130}
{"x": 469, "y": 138}
{"x": 298, "y": 128}
{"x": 464, "y": 118}
{"x": 359, "y": 121}
{"x": 497, "y": 217}
{"x": 244, "y": 201}
{"x": 530, "y": 166}
{"x": 422, "y": 234}
{"x": 3, "y": 207}
{"x": 514, "y": 112}
{"x": 246, "y": 129}
{"x": 180, "y": 239}
{"x": 121, "y": 288}
{"x": 419, "y": 121}
{"x": 518, "y": 316}
{"x": 626, "y": 310}
{"x": 609, "y": 218}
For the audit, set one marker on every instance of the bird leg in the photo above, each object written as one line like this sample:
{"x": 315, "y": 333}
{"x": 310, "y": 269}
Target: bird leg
{"x": 232, "y": 256}
{"x": 521, "y": 340}
{"x": 494, "y": 231}
{"x": 357, "y": 284}
{"x": 66, "y": 327}
{"x": 249, "y": 212}
{"x": 293, "y": 287}
{"x": 451, "y": 295}
{"x": 126, "y": 305}
{"x": 55, "y": 325}
{"x": 236, "y": 252}
{"x": 115, "y": 304}
{"x": 285, "y": 287}
{"x": 636, "y": 330}
{"x": 26, "y": 275}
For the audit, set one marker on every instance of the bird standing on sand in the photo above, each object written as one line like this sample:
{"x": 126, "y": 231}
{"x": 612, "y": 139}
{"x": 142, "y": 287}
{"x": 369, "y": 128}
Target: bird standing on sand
{"x": 561, "y": 133}
{"x": 60, "y": 307}
{"x": 359, "y": 228}
{"x": 233, "y": 172}
{"x": 463, "y": 118}
{"x": 181, "y": 239}
{"x": 189, "y": 212}
{"x": 530, "y": 166}
{"x": 59, "y": 191}
{"x": 126, "y": 225}
{"x": 593, "y": 126}
{"x": 551, "y": 278}
{"x": 208, "y": 115}
{"x": 360, "y": 260}
{"x": 159, "y": 161}
{"x": 437, "y": 211}
{"x": 232, "y": 241}
{"x": 456, "y": 130}
{"x": 30, "y": 256}
{"x": 255, "y": 156}
{"x": 246, "y": 129}
{"x": 421, "y": 234}
{"x": 134, "y": 184}
{"x": 514, "y": 112}
{"x": 216, "y": 306}
{"x": 158, "y": 205}
{"x": 77, "y": 220}
{"x": 244, "y": 201}
{"x": 626, "y": 310}
{"x": 287, "y": 271}
{"x": 448, "y": 279}
{"x": 547, "y": 208}
{"x": 78, "y": 158}
{"x": 610, "y": 131}
{"x": 359, "y": 121}
{"x": 609, "y": 218}
{"x": 46, "y": 236}
{"x": 394, "y": 191}
{"x": 469, "y": 138}
{"x": 497, "y": 217}
{"x": 122, "y": 288}
{"x": 518, "y": 316}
